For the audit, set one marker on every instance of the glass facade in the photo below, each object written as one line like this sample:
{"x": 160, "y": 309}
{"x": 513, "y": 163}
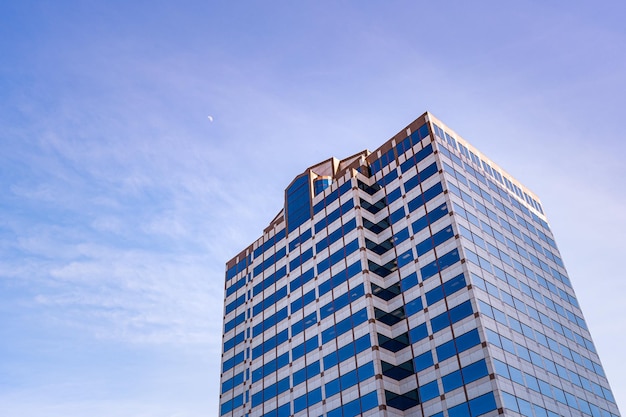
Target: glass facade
{"x": 416, "y": 280}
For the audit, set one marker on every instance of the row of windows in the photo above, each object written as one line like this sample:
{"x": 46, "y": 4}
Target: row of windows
{"x": 339, "y": 278}
{"x": 230, "y": 363}
{"x": 486, "y": 167}
{"x": 532, "y": 312}
{"x": 547, "y": 364}
{"x": 497, "y": 189}
{"x": 303, "y": 301}
{"x": 235, "y": 303}
{"x": 270, "y": 392}
{"x": 307, "y": 400}
{"x": 523, "y": 308}
{"x": 282, "y": 411}
{"x": 505, "y": 224}
{"x": 420, "y": 177}
{"x": 526, "y": 408}
{"x": 312, "y": 370}
{"x": 269, "y": 243}
{"x": 305, "y": 277}
{"x": 302, "y": 258}
{"x": 330, "y": 360}
{"x": 331, "y": 197}
{"x": 498, "y": 204}
{"x": 269, "y": 281}
{"x": 442, "y": 262}
{"x": 430, "y": 270}
{"x": 230, "y": 383}
{"x": 451, "y": 316}
{"x": 349, "y": 379}
{"x": 548, "y": 390}
{"x": 419, "y": 156}
{"x": 232, "y": 404}
{"x": 341, "y": 301}
{"x": 417, "y": 306}
{"x": 388, "y": 179}
{"x": 301, "y": 279}
{"x": 348, "y": 351}
{"x": 356, "y": 407}
{"x": 403, "y": 146}
{"x": 474, "y": 407}
{"x": 429, "y": 218}
{"x": 334, "y": 215}
{"x": 515, "y": 248}
{"x": 514, "y": 263}
{"x": 270, "y": 343}
{"x": 353, "y": 408}
{"x": 269, "y": 261}
{"x": 335, "y": 257}
{"x": 296, "y": 305}
{"x": 465, "y": 375}
{"x": 240, "y": 283}
{"x": 237, "y": 320}
{"x": 436, "y": 239}
{"x": 296, "y": 209}
{"x": 299, "y": 326}
{"x": 270, "y": 300}
{"x": 238, "y": 267}
{"x": 447, "y": 350}
{"x": 323, "y": 243}
{"x": 444, "y": 290}
{"x": 307, "y": 346}
{"x": 344, "y": 326}
{"x": 270, "y": 322}
{"x": 425, "y": 197}
{"x": 300, "y": 239}
{"x": 413, "y": 139}
{"x": 270, "y": 367}
{"x": 236, "y": 339}
{"x": 533, "y": 293}
{"x": 436, "y": 294}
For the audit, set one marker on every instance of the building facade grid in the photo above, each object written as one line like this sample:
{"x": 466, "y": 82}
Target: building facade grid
{"x": 420, "y": 279}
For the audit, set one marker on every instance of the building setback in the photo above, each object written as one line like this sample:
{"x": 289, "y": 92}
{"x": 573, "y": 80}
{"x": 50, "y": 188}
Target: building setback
{"x": 417, "y": 280}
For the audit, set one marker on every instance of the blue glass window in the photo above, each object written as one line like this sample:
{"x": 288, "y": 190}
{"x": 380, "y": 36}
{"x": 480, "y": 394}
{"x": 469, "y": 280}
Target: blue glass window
{"x": 452, "y": 381}
{"x": 418, "y": 333}
{"x": 482, "y": 404}
{"x": 344, "y": 325}
{"x": 342, "y": 301}
{"x": 423, "y": 361}
{"x": 429, "y": 391}
{"x": 440, "y": 264}
{"x": 452, "y": 316}
{"x": 414, "y": 306}
{"x": 298, "y": 203}
{"x": 301, "y": 280}
{"x": 449, "y": 287}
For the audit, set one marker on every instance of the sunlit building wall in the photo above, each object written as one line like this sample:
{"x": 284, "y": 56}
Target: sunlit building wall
{"x": 419, "y": 279}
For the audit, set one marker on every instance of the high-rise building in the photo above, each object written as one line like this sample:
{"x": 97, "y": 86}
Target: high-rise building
{"x": 420, "y": 279}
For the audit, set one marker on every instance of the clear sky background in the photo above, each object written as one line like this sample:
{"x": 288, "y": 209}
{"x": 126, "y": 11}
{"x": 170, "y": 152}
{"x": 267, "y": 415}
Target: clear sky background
{"x": 121, "y": 201}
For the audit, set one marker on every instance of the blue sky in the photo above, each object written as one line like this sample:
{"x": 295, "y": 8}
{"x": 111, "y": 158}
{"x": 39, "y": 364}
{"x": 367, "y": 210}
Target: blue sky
{"x": 121, "y": 201}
